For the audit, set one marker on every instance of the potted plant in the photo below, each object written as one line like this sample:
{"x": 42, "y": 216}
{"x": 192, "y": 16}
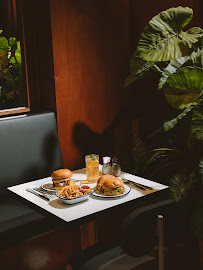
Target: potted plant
{"x": 177, "y": 56}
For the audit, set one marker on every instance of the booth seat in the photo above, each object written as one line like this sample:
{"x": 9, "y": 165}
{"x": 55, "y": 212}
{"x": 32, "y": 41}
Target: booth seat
{"x": 29, "y": 150}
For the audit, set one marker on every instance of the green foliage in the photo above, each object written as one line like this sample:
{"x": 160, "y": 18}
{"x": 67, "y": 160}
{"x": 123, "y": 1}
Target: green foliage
{"x": 178, "y": 57}
{"x": 166, "y": 48}
{"x": 11, "y": 79}
{"x": 182, "y": 187}
{"x": 170, "y": 123}
{"x": 197, "y": 120}
{"x": 163, "y": 38}
{"x": 139, "y": 71}
{"x": 139, "y": 156}
{"x": 201, "y": 170}
{"x": 173, "y": 66}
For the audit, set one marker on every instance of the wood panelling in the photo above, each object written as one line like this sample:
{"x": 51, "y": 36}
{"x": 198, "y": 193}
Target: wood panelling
{"x": 51, "y": 251}
{"x": 92, "y": 44}
{"x": 92, "y": 48}
{"x": 38, "y": 54}
{"x": 88, "y": 236}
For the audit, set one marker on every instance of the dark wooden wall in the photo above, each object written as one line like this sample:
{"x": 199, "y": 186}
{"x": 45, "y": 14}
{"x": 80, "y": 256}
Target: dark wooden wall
{"x": 92, "y": 45}
{"x": 92, "y": 48}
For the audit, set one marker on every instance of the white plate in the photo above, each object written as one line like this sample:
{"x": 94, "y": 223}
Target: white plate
{"x": 48, "y": 185}
{"x": 74, "y": 200}
{"x": 127, "y": 189}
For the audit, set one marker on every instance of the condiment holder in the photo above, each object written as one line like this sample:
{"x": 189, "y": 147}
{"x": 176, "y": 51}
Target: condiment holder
{"x": 116, "y": 167}
{"x": 111, "y": 166}
{"x": 106, "y": 169}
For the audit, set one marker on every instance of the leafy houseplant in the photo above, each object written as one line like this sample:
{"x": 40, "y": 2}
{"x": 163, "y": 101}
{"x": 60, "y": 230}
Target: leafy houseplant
{"x": 177, "y": 56}
{"x": 11, "y": 79}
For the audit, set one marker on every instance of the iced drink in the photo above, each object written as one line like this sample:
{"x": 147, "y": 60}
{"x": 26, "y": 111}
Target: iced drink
{"x": 92, "y": 167}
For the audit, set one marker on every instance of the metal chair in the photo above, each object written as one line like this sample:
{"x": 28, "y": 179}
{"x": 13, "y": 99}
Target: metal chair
{"x": 143, "y": 230}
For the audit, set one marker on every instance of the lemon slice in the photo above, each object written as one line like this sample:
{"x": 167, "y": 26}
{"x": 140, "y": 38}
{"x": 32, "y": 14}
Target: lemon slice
{"x": 93, "y": 164}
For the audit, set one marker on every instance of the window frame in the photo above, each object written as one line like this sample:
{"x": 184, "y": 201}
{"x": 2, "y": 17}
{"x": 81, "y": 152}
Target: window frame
{"x": 34, "y": 19}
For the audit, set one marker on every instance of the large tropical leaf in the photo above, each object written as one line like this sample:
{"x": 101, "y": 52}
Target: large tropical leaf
{"x": 172, "y": 68}
{"x": 197, "y": 120}
{"x": 194, "y": 60}
{"x": 16, "y": 59}
{"x": 135, "y": 63}
{"x": 197, "y": 57}
{"x": 3, "y": 44}
{"x": 183, "y": 188}
{"x": 140, "y": 68}
{"x": 139, "y": 156}
{"x": 163, "y": 38}
{"x": 146, "y": 68}
{"x": 13, "y": 43}
{"x": 169, "y": 124}
{"x": 4, "y": 63}
{"x": 183, "y": 88}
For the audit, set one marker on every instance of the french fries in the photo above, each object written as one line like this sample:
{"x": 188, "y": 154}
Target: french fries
{"x": 71, "y": 192}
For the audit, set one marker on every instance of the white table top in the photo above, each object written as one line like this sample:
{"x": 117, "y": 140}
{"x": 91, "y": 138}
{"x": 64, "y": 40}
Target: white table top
{"x": 86, "y": 208}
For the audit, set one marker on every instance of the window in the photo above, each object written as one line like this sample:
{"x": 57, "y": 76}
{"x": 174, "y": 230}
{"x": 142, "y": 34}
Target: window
{"x": 13, "y": 90}
{"x": 30, "y": 23}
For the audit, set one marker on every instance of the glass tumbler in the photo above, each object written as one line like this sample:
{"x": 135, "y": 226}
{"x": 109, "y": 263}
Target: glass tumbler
{"x": 92, "y": 167}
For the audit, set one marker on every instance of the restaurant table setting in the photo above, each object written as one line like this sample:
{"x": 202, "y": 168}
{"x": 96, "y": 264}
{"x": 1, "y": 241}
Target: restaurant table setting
{"x": 42, "y": 194}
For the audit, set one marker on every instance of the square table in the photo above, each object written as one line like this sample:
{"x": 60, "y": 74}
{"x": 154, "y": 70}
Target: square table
{"x": 86, "y": 210}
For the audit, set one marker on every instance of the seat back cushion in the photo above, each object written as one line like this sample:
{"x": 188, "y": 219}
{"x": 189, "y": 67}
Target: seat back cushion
{"x": 30, "y": 148}
{"x": 139, "y": 229}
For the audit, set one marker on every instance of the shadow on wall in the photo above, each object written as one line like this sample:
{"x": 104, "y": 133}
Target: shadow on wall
{"x": 89, "y": 142}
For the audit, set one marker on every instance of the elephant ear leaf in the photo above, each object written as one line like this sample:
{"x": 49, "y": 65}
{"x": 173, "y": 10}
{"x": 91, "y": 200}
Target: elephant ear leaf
{"x": 197, "y": 120}
{"x": 163, "y": 38}
{"x": 4, "y": 47}
{"x": 197, "y": 57}
{"x": 145, "y": 69}
{"x": 172, "y": 68}
{"x": 169, "y": 124}
{"x": 182, "y": 188}
{"x": 183, "y": 88}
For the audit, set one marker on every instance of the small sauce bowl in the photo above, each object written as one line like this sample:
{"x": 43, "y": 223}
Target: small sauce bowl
{"x": 84, "y": 187}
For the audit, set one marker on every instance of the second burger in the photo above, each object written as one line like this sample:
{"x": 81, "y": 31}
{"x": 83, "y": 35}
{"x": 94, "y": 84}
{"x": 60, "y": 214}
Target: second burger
{"x": 109, "y": 185}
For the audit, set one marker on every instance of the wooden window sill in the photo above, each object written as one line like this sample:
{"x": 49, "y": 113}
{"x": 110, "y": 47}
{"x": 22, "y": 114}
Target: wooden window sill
{"x": 14, "y": 111}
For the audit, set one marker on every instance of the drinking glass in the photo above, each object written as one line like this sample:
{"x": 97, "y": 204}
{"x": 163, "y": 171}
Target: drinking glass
{"x": 92, "y": 167}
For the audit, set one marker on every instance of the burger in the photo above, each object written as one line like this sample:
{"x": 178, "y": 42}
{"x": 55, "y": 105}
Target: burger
{"x": 100, "y": 181}
{"x": 61, "y": 178}
{"x": 113, "y": 186}
{"x": 109, "y": 185}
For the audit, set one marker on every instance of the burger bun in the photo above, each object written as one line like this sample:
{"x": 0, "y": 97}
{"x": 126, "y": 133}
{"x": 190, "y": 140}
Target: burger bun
{"x": 61, "y": 178}
{"x": 112, "y": 183}
{"x": 61, "y": 174}
{"x": 104, "y": 177}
